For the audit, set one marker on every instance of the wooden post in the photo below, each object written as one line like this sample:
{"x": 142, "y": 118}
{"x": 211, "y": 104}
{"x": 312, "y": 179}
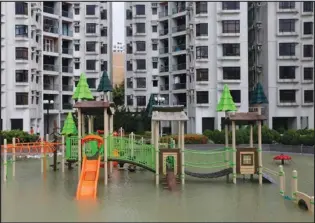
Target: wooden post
{"x": 234, "y": 151}
{"x": 5, "y": 160}
{"x": 79, "y": 141}
{"x": 179, "y": 139}
{"x": 83, "y": 125}
{"x": 152, "y": 133}
{"x": 111, "y": 130}
{"x": 131, "y": 141}
{"x": 13, "y": 156}
{"x": 282, "y": 180}
{"x": 90, "y": 124}
{"x": 294, "y": 184}
{"x": 259, "y": 149}
{"x": 45, "y": 156}
{"x": 182, "y": 137}
{"x": 63, "y": 154}
{"x": 312, "y": 204}
{"x": 105, "y": 145}
{"x": 227, "y": 153}
{"x": 42, "y": 155}
{"x": 156, "y": 145}
{"x": 251, "y": 136}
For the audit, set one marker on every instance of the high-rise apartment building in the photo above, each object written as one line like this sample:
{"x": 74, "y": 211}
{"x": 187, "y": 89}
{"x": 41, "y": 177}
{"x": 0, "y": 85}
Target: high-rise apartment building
{"x": 118, "y": 64}
{"x": 184, "y": 52}
{"x": 40, "y": 58}
{"x": 281, "y": 57}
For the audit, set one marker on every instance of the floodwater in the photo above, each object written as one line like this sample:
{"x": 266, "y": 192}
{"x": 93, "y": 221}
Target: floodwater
{"x": 133, "y": 197}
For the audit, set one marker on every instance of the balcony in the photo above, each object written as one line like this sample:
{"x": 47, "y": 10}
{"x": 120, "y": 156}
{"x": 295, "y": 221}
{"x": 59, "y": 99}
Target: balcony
{"x": 51, "y": 87}
{"x": 67, "y": 106}
{"x": 179, "y": 28}
{"x": 67, "y": 14}
{"x": 179, "y": 47}
{"x": 179, "y": 86}
{"x": 67, "y": 51}
{"x": 163, "y": 32}
{"x": 183, "y": 103}
{"x": 49, "y": 10}
{"x": 164, "y": 69}
{"x": 50, "y": 49}
{"x": 67, "y": 87}
{"x": 50, "y": 67}
{"x": 163, "y": 50}
{"x": 164, "y": 87}
{"x": 181, "y": 66}
{"x": 163, "y": 13}
{"x": 53, "y": 106}
{"x": 50, "y": 28}
{"x": 67, "y": 69}
{"x": 179, "y": 9}
{"x": 67, "y": 32}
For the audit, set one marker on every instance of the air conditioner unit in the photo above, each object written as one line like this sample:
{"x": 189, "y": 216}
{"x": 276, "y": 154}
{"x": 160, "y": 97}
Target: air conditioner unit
{"x": 33, "y": 49}
{"x": 259, "y": 46}
{"x": 253, "y": 47}
{"x": 258, "y": 25}
{"x": 154, "y": 5}
{"x": 76, "y": 5}
{"x": 76, "y": 23}
{"x": 191, "y": 47}
{"x": 76, "y": 41}
{"x": 130, "y": 25}
{"x": 258, "y": 4}
{"x": 77, "y": 60}
{"x": 154, "y": 59}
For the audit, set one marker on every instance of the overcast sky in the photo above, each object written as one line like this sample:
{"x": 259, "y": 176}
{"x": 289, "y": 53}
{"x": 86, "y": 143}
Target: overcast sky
{"x": 118, "y": 22}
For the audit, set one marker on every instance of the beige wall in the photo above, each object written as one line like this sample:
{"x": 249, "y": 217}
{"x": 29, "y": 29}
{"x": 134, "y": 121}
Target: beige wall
{"x": 118, "y": 68}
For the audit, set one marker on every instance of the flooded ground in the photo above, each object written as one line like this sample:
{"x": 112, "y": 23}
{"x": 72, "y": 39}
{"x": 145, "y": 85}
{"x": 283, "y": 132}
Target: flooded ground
{"x": 134, "y": 197}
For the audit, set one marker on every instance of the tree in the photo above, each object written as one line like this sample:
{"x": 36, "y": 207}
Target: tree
{"x": 69, "y": 127}
{"x": 119, "y": 95}
{"x": 226, "y": 102}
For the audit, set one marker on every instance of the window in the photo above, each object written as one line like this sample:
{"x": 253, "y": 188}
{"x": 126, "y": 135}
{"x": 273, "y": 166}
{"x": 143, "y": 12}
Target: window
{"x": 77, "y": 11}
{"x": 129, "y": 82}
{"x": 90, "y": 9}
{"x": 76, "y": 66}
{"x": 141, "y": 64}
{"x": 231, "y": 73}
{"x": 104, "y": 66}
{"x": 140, "y": 9}
{"x": 77, "y": 29}
{"x": 90, "y": 64}
{"x": 308, "y": 7}
{"x": 16, "y": 123}
{"x": 104, "y": 31}
{"x": 90, "y": 27}
{"x": 202, "y": 97}
{"x": 286, "y": 25}
{"x": 308, "y": 96}
{"x": 154, "y": 11}
{"x": 21, "y": 53}
{"x": 202, "y": 74}
{"x": 90, "y": 46}
{"x": 236, "y": 95}
{"x": 21, "y": 98}
{"x": 287, "y": 49}
{"x": 201, "y": 52}
{"x": 141, "y": 82}
{"x": 21, "y": 30}
{"x": 76, "y": 47}
{"x": 286, "y": 5}
{"x": 287, "y": 96}
{"x": 104, "y": 49}
{"x": 129, "y": 66}
{"x": 308, "y": 50}
{"x": 141, "y": 100}
{"x": 21, "y": 8}
{"x": 140, "y": 45}
{"x": 202, "y": 29}
{"x": 91, "y": 82}
{"x": 308, "y": 28}
{"x": 155, "y": 83}
{"x": 201, "y": 7}
{"x": 154, "y": 46}
{"x": 154, "y": 64}
{"x": 154, "y": 29}
{"x": 287, "y": 72}
{"x": 230, "y": 5}
{"x": 231, "y": 26}
{"x": 308, "y": 73}
{"x": 104, "y": 14}
{"x": 129, "y": 100}
{"x": 21, "y": 76}
{"x": 128, "y": 31}
{"x": 140, "y": 27}
{"x": 247, "y": 159}
{"x": 231, "y": 49}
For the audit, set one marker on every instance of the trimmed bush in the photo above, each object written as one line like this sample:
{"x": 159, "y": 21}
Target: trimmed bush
{"x": 189, "y": 139}
{"x": 18, "y": 134}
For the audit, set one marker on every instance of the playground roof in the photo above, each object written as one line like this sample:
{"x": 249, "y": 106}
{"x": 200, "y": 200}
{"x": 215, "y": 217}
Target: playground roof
{"x": 169, "y": 116}
{"x": 95, "y": 107}
{"x": 245, "y": 116}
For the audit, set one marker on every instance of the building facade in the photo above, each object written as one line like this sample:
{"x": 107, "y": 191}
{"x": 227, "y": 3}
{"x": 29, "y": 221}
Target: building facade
{"x": 281, "y": 57}
{"x": 184, "y": 52}
{"x": 41, "y": 60}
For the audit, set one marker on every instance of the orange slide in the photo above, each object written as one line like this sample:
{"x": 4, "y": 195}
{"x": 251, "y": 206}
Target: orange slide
{"x": 87, "y": 187}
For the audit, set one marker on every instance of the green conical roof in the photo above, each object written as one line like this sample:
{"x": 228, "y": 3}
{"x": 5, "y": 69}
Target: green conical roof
{"x": 105, "y": 84}
{"x": 151, "y": 102}
{"x": 69, "y": 127}
{"x": 82, "y": 90}
{"x": 258, "y": 96}
{"x": 226, "y": 102}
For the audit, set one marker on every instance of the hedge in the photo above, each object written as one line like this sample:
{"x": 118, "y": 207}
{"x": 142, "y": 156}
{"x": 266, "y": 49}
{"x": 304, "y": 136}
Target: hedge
{"x": 269, "y": 136}
{"x": 18, "y": 134}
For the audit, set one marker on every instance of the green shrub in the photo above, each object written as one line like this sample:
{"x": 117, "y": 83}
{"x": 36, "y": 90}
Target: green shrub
{"x": 18, "y": 134}
{"x": 290, "y": 137}
{"x": 307, "y": 140}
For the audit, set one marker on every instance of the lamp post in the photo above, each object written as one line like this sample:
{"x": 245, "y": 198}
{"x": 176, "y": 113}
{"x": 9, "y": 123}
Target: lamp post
{"x": 48, "y": 103}
{"x": 160, "y": 100}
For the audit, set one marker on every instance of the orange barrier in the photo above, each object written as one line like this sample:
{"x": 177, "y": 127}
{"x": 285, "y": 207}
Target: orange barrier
{"x": 33, "y": 147}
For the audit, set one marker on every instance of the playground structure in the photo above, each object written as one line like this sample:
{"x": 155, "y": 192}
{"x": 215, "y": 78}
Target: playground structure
{"x": 301, "y": 199}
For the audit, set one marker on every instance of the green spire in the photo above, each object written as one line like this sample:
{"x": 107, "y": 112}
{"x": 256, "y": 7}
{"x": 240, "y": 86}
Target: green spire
{"x": 69, "y": 127}
{"x": 226, "y": 102}
{"x": 105, "y": 84}
{"x": 150, "y": 105}
{"x": 258, "y": 96}
{"x": 82, "y": 90}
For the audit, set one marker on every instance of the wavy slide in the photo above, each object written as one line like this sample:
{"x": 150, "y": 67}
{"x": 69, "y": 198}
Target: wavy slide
{"x": 87, "y": 187}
